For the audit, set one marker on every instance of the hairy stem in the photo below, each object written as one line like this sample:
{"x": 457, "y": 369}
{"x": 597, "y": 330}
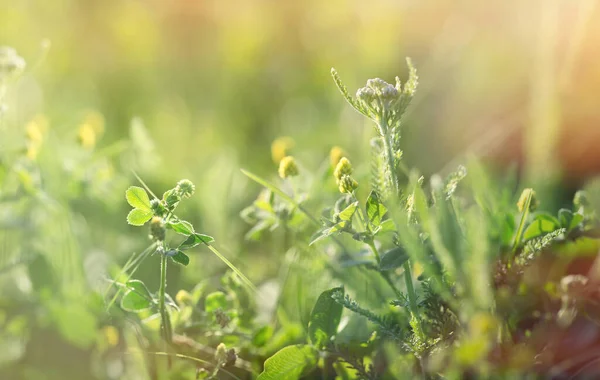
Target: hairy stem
{"x": 389, "y": 154}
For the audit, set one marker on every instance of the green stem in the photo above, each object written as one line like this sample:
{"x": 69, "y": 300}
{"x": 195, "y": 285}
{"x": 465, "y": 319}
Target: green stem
{"x": 389, "y": 153}
{"x": 412, "y": 296}
{"x": 371, "y": 244}
{"x": 164, "y": 316}
{"x": 521, "y": 229}
{"x": 412, "y": 299}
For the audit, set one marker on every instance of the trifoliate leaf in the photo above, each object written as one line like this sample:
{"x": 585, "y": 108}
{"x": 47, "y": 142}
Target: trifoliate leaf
{"x": 138, "y": 198}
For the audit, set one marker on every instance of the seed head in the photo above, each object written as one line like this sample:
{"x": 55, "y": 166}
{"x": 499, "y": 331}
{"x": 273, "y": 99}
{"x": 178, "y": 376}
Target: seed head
{"x": 157, "y": 228}
{"x": 347, "y": 184}
{"x": 343, "y": 167}
{"x": 523, "y": 199}
{"x": 185, "y": 188}
{"x": 288, "y": 167}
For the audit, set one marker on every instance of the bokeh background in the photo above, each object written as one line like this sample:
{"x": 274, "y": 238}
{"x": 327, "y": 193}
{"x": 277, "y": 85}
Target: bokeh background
{"x": 215, "y": 82}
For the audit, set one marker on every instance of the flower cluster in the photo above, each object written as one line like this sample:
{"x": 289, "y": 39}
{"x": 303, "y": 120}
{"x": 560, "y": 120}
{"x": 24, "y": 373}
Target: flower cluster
{"x": 343, "y": 176}
{"x": 288, "y": 167}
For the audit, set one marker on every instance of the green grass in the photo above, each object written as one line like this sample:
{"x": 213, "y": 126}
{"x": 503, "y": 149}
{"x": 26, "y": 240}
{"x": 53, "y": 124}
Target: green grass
{"x": 339, "y": 268}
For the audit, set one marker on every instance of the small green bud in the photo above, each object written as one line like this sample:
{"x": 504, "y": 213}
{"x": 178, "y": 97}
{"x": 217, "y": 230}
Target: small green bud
{"x": 157, "y": 207}
{"x": 580, "y": 199}
{"x": 344, "y": 167}
{"x": 347, "y": 184}
{"x": 523, "y": 199}
{"x": 288, "y": 167}
{"x": 157, "y": 228}
{"x": 185, "y": 188}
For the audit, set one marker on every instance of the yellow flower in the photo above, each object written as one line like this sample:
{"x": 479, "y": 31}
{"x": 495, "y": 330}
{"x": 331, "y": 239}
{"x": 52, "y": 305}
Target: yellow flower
{"x": 34, "y": 134}
{"x": 347, "y": 184}
{"x": 87, "y": 136}
{"x": 523, "y": 200}
{"x": 111, "y": 334}
{"x": 91, "y": 129}
{"x": 288, "y": 167}
{"x": 335, "y": 155}
{"x": 343, "y": 167}
{"x": 281, "y": 147}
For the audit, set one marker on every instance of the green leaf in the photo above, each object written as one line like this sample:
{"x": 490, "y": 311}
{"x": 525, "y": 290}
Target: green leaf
{"x": 375, "y": 209}
{"x": 137, "y": 297}
{"x": 564, "y": 217}
{"x": 215, "y": 301}
{"x": 348, "y": 212}
{"x": 171, "y": 198}
{"x": 577, "y": 219}
{"x": 290, "y": 363}
{"x": 325, "y": 318}
{"x": 541, "y": 225}
{"x": 138, "y": 217}
{"x": 386, "y": 226}
{"x": 181, "y": 227}
{"x": 393, "y": 259}
{"x": 328, "y": 231}
{"x": 195, "y": 240}
{"x": 138, "y": 198}
{"x": 181, "y": 258}
{"x": 262, "y": 336}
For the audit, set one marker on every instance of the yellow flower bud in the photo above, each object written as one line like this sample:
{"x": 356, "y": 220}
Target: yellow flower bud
{"x": 335, "y": 155}
{"x": 288, "y": 167}
{"x": 87, "y": 136}
{"x": 343, "y": 167}
{"x": 281, "y": 147}
{"x": 523, "y": 200}
{"x": 183, "y": 297}
{"x": 347, "y": 184}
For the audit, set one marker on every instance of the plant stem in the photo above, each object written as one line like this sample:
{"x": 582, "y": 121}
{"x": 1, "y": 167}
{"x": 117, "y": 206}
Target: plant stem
{"x": 371, "y": 244}
{"x": 412, "y": 298}
{"x": 389, "y": 154}
{"x": 519, "y": 234}
{"x": 164, "y": 316}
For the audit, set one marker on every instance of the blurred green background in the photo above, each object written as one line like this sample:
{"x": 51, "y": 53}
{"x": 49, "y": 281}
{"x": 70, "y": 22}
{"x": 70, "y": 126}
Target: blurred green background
{"x": 215, "y": 82}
